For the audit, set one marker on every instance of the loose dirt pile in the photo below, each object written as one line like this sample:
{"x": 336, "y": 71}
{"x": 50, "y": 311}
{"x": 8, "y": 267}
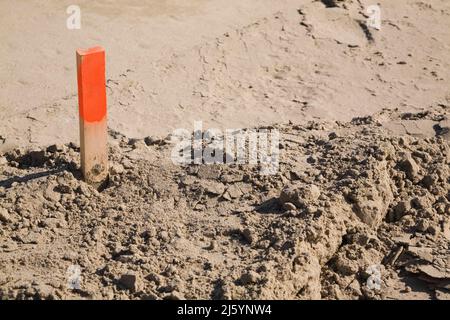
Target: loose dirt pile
{"x": 353, "y": 206}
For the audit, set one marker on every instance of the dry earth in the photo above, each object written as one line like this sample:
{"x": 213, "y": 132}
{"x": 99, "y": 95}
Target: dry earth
{"x": 362, "y": 192}
{"x": 348, "y": 196}
{"x": 257, "y": 62}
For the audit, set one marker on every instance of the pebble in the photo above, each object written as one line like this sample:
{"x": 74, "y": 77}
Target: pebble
{"x": 5, "y": 216}
{"x": 130, "y": 282}
{"x": 55, "y": 148}
{"x": 37, "y": 157}
{"x": 215, "y": 188}
{"x": 3, "y": 161}
{"x": 401, "y": 209}
{"x": 300, "y": 195}
{"x": 174, "y": 296}
{"x": 249, "y": 278}
{"x": 84, "y": 190}
{"x": 164, "y": 236}
{"x": 288, "y": 206}
{"x": 248, "y": 235}
{"x": 409, "y": 166}
{"x": 422, "y": 225}
{"x": 116, "y": 168}
{"x": 153, "y": 140}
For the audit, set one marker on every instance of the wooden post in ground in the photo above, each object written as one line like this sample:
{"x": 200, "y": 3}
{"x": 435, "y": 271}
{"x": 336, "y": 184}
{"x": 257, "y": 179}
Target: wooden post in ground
{"x": 92, "y": 112}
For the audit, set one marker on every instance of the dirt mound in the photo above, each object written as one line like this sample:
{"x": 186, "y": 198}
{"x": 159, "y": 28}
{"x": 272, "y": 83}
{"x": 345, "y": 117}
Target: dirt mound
{"x": 353, "y": 212}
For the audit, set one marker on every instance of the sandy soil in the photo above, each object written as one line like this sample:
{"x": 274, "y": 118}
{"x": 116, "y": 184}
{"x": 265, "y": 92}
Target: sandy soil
{"x": 347, "y": 197}
{"x": 265, "y": 62}
{"x": 362, "y": 192}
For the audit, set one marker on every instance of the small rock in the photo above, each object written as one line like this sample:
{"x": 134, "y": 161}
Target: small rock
{"x": 249, "y": 278}
{"x": 5, "y": 216}
{"x": 234, "y": 192}
{"x": 164, "y": 236}
{"x": 311, "y": 160}
{"x": 402, "y": 240}
{"x": 174, "y": 296}
{"x": 130, "y": 282}
{"x": 45, "y": 292}
{"x": 432, "y": 271}
{"x": 127, "y": 164}
{"x": 428, "y": 181}
{"x": 153, "y": 140}
{"x": 153, "y": 277}
{"x": 116, "y": 168}
{"x": 442, "y": 294}
{"x": 401, "y": 209}
{"x": 232, "y": 177}
{"x": 37, "y": 157}
{"x": 288, "y": 206}
{"x": 214, "y": 188}
{"x": 137, "y": 143}
{"x": 423, "y": 225}
{"x": 409, "y": 166}
{"x": 170, "y": 271}
{"x": 208, "y": 172}
{"x": 425, "y": 254}
{"x": 300, "y": 195}
{"x": 148, "y": 296}
{"x": 332, "y": 136}
{"x": 50, "y": 193}
{"x": 446, "y": 229}
{"x": 248, "y": 235}
{"x": 3, "y": 161}
{"x": 63, "y": 188}
{"x": 212, "y": 245}
{"x": 55, "y": 148}
{"x": 84, "y": 190}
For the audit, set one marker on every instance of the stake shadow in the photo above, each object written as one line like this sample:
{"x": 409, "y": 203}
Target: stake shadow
{"x": 32, "y": 176}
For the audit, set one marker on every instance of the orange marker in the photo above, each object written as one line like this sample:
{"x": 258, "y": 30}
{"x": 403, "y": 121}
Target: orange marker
{"x": 92, "y": 111}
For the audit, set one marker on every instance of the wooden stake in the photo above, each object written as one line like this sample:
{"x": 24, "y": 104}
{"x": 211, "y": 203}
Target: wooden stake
{"x": 92, "y": 111}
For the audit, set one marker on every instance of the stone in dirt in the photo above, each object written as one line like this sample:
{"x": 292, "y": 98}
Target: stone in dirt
{"x": 249, "y": 235}
{"x": 5, "y": 216}
{"x": 401, "y": 209}
{"x": 409, "y": 166}
{"x": 425, "y": 254}
{"x": 116, "y": 168}
{"x": 433, "y": 272}
{"x": 372, "y": 198}
{"x": 3, "y": 161}
{"x": 300, "y": 195}
{"x": 130, "y": 281}
{"x": 288, "y": 206}
{"x": 249, "y": 278}
{"x": 208, "y": 172}
{"x": 214, "y": 188}
{"x": 37, "y": 157}
{"x": 234, "y": 191}
{"x": 55, "y": 148}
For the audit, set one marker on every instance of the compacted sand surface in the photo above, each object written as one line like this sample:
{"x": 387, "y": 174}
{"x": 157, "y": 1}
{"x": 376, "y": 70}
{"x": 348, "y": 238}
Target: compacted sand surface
{"x": 231, "y": 64}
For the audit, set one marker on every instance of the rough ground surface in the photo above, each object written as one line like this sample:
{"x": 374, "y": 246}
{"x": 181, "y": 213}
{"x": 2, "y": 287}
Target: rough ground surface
{"x": 349, "y": 198}
{"x": 356, "y": 200}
